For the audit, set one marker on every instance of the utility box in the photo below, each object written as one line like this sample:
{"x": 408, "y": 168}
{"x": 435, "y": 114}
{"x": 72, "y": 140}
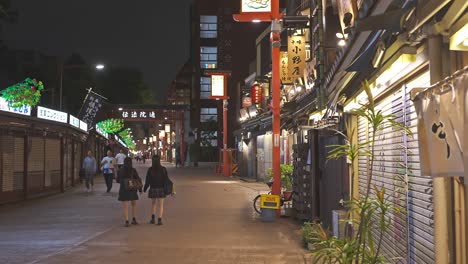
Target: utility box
{"x": 339, "y": 223}
{"x": 269, "y": 204}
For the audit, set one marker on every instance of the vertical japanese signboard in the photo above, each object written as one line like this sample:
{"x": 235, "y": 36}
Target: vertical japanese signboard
{"x": 90, "y": 108}
{"x": 284, "y": 72}
{"x": 296, "y": 56}
{"x": 257, "y": 93}
{"x": 217, "y": 85}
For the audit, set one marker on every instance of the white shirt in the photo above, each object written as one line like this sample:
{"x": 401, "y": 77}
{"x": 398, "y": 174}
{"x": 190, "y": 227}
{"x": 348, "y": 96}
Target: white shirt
{"x": 120, "y": 158}
{"x": 107, "y": 164}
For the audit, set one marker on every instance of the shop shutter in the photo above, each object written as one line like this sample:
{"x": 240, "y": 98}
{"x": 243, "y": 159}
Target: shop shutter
{"x": 420, "y": 190}
{"x": 68, "y": 163}
{"x": 13, "y": 163}
{"x": 36, "y": 163}
{"x": 396, "y": 161}
{"x": 52, "y": 168}
{"x": 76, "y": 171}
{"x": 261, "y": 173}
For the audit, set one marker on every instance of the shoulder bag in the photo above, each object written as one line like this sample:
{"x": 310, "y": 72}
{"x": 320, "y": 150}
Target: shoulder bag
{"x": 133, "y": 183}
{"x": 168, "y": 185}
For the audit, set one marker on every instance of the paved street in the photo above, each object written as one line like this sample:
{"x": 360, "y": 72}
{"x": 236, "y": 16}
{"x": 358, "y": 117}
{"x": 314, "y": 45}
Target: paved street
{"x": 210, "y": 220}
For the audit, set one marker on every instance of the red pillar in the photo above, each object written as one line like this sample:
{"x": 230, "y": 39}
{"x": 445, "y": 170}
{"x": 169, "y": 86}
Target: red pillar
{"x": 275, "y": 75}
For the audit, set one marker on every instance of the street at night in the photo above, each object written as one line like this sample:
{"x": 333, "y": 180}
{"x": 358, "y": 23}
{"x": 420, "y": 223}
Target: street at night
{"x": 246, "y": 131}
{"x": 209, "y": 220}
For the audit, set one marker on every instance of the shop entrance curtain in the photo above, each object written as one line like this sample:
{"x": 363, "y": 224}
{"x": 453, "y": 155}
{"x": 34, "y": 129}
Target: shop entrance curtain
{"x": 443, "y": 127}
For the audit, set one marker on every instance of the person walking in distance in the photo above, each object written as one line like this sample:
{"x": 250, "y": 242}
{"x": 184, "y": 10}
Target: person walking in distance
{"x": 108, "y": 169}
{"x": 120, "y": 159}
{"x": 90, "y": 168}
{"x": 156, "y": 177}
{"x": 125, "y": 195}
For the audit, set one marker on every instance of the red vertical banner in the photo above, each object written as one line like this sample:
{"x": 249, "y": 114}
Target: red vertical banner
{"x": 257, "y": 94}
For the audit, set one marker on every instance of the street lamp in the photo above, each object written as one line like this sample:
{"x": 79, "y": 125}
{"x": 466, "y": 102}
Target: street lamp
{"x": 98, "y": 67}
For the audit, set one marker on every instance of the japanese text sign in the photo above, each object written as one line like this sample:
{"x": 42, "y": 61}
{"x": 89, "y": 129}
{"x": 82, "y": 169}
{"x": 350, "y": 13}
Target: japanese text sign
{"x": 138, "y": 114}
{"x": 296, "y": 56}
{"x": 74, "y": 121}
{"x": 5, "y": 106}
{"x": 50, "y": 114}
{"x": 285, "y": 78}
{"x": 217, "y": 85}
{"x": 91, "y": 107}
{"x": 256, "y": 94}
{"x": 255, "y": 6}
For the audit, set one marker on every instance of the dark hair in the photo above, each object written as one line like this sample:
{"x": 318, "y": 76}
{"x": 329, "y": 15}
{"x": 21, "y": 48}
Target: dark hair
{"x": 156, "y": 163}
{"x": 127, "y": 166}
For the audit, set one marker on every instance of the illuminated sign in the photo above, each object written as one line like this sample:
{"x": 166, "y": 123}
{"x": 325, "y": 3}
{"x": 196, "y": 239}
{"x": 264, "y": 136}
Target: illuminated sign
{"x": 74, "y": 121}
{"x": 50, "y": 114}
{"x": 5, "y": 106}
{"x": 285, "y": 78}
{"x": 83, "y": 126}
{"x": 102, "y": 132}
{"x": 120, "y": 141}
{"x": 256, "y": 6}
{"x": 217, "y": 85}
{"x": 296, "y": 56}
{"x": 256, "y": 94}
{"x": 138, "y": 114}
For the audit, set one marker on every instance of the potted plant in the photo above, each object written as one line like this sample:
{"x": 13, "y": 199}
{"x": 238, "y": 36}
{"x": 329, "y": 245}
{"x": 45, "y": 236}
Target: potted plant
{"x": 286, "y": 171}
{"x": 312, "y": 235}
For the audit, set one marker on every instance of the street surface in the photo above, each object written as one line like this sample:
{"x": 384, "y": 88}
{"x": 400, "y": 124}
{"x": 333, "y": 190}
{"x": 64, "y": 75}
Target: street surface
{"x": 210, "y": 220}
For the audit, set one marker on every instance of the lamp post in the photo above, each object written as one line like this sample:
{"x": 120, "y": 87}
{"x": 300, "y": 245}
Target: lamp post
{"x": 270, "y": 13}
{"x": 98, "y": 67}
{"x": 219, "y": 92}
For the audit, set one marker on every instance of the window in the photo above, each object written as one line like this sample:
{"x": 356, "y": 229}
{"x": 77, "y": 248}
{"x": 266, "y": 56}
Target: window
{"x": 208, "y": 114}
{"x": 208, "y": 57}
{"x": 205, "y": 87}
{"x": 208, "y": 27}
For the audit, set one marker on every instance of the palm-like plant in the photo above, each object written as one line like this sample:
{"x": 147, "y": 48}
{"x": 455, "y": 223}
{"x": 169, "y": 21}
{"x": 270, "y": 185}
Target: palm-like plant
{"x": 365, "y": 212}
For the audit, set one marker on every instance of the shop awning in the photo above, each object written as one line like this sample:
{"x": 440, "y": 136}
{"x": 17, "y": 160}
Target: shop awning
{"x": 363, "y": 61}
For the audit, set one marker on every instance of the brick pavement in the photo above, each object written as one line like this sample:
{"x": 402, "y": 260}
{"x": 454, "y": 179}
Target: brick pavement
{"x": 210, "y": 220}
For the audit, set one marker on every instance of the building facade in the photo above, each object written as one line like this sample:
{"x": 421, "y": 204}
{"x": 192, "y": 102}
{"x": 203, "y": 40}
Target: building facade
{"x": 400, "y": 48}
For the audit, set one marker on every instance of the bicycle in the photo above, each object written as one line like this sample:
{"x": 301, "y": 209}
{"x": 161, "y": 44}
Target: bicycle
{"x": 283, "y": 199}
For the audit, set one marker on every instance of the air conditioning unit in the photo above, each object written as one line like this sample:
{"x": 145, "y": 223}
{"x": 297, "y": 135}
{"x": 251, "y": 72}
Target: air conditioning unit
{"x": 339, "y": 223}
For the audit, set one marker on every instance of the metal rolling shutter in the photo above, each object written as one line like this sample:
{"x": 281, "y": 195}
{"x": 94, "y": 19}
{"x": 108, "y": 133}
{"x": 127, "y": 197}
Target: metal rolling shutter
{"x": 70, "y": 163}
{"x": 261, "y": 172}
{"x": 397, "y": 161}
{"x": 77, "y": 166}
{"x": 36, "y": 163}
{"x": 420, "y": 190}
{"x": 52, "y": 169}
{"x": 13, "y": 163}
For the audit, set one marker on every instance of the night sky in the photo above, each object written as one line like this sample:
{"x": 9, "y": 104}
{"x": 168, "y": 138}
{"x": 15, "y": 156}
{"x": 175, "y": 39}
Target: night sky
{"x": 152, "y": 36}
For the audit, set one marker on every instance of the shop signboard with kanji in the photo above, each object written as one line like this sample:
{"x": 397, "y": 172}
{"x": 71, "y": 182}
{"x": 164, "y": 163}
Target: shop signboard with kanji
{"x": 128, "y": 115}
{"x": 91, "y": 107}
{"x": 284, "y": 72}
{"x": 255, "y": 6}
{"x": 296, "y": 56}
{"x": 6, "y": 106}
{"x": 256, "y": 94}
